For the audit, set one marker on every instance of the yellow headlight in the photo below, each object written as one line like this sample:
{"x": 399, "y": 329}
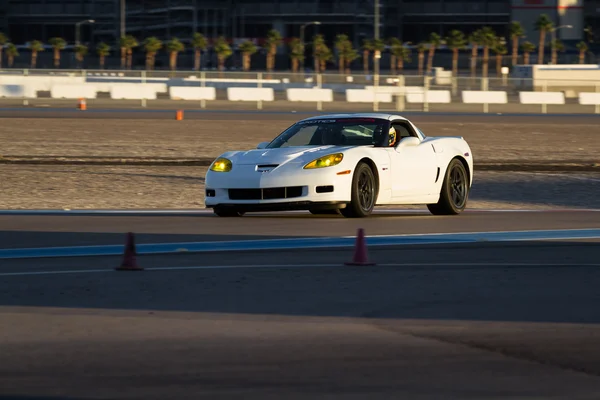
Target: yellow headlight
{"x": 326, "y": 161}
{"x": 221, "y": 165}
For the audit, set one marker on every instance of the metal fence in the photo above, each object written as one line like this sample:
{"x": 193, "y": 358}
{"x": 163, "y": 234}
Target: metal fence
{"x": 392, "y": 92}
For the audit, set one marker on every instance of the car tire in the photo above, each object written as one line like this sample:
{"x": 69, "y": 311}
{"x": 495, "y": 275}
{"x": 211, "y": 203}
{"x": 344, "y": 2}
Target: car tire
{"x": 227, "y": 212}
{"x": 455, "y": 191}
{"x": 363, "y": 193}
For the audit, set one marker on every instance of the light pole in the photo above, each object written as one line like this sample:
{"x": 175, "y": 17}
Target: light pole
{"x": 77, "y": 29}
{"x": 302, "y": 27}
{"x": 122, "y": 18}
{"x": 553, "y": 31}
{"x": 376, "y": 57}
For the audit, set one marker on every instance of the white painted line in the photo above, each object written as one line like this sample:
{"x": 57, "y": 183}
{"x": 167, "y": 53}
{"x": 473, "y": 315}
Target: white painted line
{"x": 284, "y": 266}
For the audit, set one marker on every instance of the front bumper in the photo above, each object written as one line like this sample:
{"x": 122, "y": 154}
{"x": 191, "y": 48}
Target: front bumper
{"x": 278, "y": 189}
{"x": 287, "y": 206}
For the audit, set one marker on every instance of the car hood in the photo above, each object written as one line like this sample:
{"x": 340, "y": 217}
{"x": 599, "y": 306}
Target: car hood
{"x": 281, "y": 155}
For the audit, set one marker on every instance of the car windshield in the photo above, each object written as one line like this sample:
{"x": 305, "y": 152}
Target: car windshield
{"x": 336, "y": 132}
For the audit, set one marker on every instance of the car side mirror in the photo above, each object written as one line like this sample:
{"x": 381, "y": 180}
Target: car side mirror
{"x": 262, "y": 145}
{"x": 410, "y": 141}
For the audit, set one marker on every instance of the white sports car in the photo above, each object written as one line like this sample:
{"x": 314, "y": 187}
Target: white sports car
{"x": 343, "y": 163}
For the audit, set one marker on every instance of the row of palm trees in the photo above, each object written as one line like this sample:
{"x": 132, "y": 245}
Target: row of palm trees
{"x": 485, "y": 39}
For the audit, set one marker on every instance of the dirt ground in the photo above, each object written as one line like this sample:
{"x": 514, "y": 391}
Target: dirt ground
{"x": 130, "y": 187}
{"x": 208, "y": 138}
{"x": 45, "y": 186}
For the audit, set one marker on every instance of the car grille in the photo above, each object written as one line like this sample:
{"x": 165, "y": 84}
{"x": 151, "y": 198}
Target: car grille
{"x": 265, "y": 194}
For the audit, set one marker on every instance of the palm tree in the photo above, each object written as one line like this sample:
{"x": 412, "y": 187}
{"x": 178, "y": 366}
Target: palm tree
{"x": 543, "y": 24}
{"x": 403, "y": 54}
{"x": 57, "y": 44}
{"x": 199, "y": 43}
{"x": 80, "y": 53}
{"x": 516, "y": 32}
{"x": 296, "y": 53}
{"x": 103, "y": 50}
{"x": 36, "y": 46}
{"x": 340, "y": 43}
{"x": 395, "y": 45}
{"x": 434, "y": 41}
{"x": 378, "y": 47}
{"x": 488, "y": 40}
{"x": 421, "y": 48}
{"x": 557, "y": 46}
{"x": 346, "y": 53}
{"x": 322, "y": 53}
{"x": 583, "y": 48}
{"x": 367, "y": 48}
{"x": 247, "y": 48}
{"x": 456, "y": 41}
{"x": 500, "y": 50}
{"x": 3, "y": 41}
{"x": 223, "y": 51}
{"x": 11, "y": 53}
{"x": 152, "y": 45}
{"x": 350, "y": 55}
{"x": 274, "y": 39}
{"x": 475, "y": 41}
{"x": 527, "y": 48}
{"x": 127, "y": 44}
{"x": 174, "y": 47}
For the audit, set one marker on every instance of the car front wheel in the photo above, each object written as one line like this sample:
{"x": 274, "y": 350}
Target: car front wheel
{"x": 364, "y": 193}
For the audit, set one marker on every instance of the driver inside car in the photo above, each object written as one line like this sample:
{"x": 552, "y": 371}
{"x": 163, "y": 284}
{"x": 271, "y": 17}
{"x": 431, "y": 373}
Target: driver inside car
{"x": 392, "y": 137}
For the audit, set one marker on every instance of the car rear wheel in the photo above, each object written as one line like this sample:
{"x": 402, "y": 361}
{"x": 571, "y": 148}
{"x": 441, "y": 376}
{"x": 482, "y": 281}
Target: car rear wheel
{"x": 364, "y": 193}
{"x": 455, "y": 191}
{"x": 227, "y": 212}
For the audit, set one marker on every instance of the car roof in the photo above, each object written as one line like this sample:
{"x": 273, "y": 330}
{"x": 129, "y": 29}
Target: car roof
{"x": 357, "y": 115}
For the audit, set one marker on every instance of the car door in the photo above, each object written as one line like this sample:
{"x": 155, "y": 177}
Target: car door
{"x": 413, "y": 163}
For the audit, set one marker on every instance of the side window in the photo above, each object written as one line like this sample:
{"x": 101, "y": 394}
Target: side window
{"x": 403, "y": 130}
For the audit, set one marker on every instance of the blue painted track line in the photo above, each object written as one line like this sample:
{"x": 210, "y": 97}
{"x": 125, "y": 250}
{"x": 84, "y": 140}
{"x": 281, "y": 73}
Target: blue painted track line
{"x": 315, "y": 112}
{"x": 302, "y": 243}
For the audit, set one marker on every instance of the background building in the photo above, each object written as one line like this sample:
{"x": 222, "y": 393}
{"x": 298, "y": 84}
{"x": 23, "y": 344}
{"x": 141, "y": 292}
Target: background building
{"x": 409, "y": 20}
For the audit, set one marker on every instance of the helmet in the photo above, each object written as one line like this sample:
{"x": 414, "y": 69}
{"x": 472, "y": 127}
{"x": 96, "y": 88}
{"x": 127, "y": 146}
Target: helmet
{"x": 392, "y": 137}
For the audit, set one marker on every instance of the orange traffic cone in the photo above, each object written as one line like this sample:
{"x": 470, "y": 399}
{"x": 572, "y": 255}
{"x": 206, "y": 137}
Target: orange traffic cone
{"x": 82, "y": 105}
{"x": 129, "y": 262}
{"x": 360, "y": 251}
{"x": 179, "y": 115}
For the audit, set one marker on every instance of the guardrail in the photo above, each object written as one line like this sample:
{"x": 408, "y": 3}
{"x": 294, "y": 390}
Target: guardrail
{"x": 394, "y": 92}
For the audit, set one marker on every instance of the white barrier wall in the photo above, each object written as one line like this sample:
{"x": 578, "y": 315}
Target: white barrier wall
{"x": 73, "y": 91}
{"x": 250, "y": 94}
{"x": 484, "y": 97}
{"x": 192, "y": 93}
{"x": 13, "y": 91}
{"x": 397, "y": 89}
{"x": 41, "y": 83}
{"x": 431, "y": 96}
{"x": 313, "y": 95}
{"x": 367, "y": 96}
{"x": 542, "y": 97}
{"x": 589, "y": 98}
{"x": 136, "y": 91}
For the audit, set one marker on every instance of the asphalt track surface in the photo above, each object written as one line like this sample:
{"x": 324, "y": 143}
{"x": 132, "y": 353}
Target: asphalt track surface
{"x": 449, "y": 320}
{"x": 486, "y": 319}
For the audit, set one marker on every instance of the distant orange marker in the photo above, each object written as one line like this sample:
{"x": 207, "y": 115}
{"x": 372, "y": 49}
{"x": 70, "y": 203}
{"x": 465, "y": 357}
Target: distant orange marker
{"x": 179, "y": 115}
